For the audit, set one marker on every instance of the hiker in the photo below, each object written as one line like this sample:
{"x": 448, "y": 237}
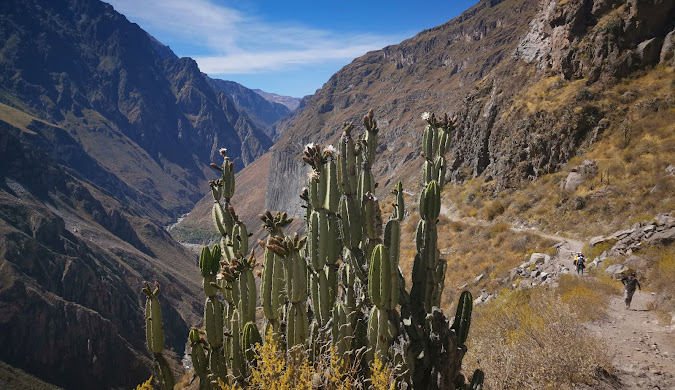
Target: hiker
{"x": 580, "y": 263}
{"x": 630, "y": 282}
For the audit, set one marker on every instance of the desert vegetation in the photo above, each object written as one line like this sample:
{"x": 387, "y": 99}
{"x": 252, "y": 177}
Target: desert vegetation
{"x": 346, "y": 269}
{"x": 629, "y": 154}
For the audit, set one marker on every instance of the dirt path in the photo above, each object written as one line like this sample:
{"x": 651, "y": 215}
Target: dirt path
{"x": 642, "y": 350}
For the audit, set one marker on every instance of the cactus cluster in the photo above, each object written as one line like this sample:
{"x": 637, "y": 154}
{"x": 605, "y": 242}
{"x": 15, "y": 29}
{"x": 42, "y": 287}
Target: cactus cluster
{"x": 340, "y": 284}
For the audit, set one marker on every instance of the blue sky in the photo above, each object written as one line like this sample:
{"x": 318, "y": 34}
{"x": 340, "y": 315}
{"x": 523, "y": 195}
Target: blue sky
{"x": 286, "y": 47}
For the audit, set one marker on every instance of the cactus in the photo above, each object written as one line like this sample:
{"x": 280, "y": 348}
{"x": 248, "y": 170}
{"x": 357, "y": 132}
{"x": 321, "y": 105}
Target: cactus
{"x": 250, "y": 338}
{"x": 477, "y": 380}
{"x": 463, "y": 317}
{"x": 346, "y": 269}
{"x": 154, "y": 332}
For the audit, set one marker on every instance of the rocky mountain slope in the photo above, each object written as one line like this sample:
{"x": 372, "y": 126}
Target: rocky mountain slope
{"x": 481, "y": 66}
{"x": 262, "y": 112}
{"x": 105, "y": 138}
{"x": 291, "y": 102}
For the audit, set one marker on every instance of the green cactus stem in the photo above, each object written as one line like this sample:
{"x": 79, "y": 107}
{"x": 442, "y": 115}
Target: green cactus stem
{"x": 154, "y": 329}
{"x": 163, "y": 373}
{"x": 477, "y": 380}
{"x": 251, "y": 337}
{"x": 463, "y": 317}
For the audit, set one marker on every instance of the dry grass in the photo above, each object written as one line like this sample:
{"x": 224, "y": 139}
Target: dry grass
{"x": 530, "y": 339}
{"x": 660, "y": 278}
{"x": 631, "y": 154}
{"x": 492, "y": 250}
{"x": 587, "y": 298}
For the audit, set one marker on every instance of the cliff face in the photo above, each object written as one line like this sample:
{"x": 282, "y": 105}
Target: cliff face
{"x": 483, "y": 66}
{"x": 72, "y": 258}
{"x": 105, "y": 138}
{"x": 261, "y": 112}
{"x": 83, "y": 66}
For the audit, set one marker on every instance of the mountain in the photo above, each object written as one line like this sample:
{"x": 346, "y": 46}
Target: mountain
{"x": 262, "y": 113}
{"x": 288, "y": 101}
{"x": 105, "y": 138}
{"x": 484, "y": 66}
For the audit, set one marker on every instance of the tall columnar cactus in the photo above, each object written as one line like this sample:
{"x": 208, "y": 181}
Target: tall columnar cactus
{"x": 349, "y": 265}
{"x": 154, "y": 332}
{"x": 288, "y": 249}
{"x": 272, "y": 288}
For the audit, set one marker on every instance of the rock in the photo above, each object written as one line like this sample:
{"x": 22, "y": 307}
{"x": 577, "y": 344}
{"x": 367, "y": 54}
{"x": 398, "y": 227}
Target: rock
{"x": 595, "y": 263}
{"x": 616, "y": 271}
{"x": 667, "y": 56}
{"x": 596, "y": 240}
{"x": 649, "y": 51}
{"x": 573, "y": 180}
{"x": 535, "y": 273}
{"x": 525, "y": 265}
{"x": 622, "y": 233}
{"x": 537, "y": 258}
{"x": 543, "y": 276}
{"x": 547, "y": 259}
{"x": 663, "y": 237}
{"x": 478, "y": 278}
{"x": 526, "y": 283}
{"x": 665, "y": 220}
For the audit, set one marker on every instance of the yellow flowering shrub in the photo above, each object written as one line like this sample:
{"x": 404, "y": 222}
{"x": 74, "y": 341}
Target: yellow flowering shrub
{"x": 145, "y": 385}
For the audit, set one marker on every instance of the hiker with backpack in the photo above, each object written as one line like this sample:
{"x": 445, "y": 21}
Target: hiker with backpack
{"x": 630, "y": 282}
{"x": 580, "y": 263}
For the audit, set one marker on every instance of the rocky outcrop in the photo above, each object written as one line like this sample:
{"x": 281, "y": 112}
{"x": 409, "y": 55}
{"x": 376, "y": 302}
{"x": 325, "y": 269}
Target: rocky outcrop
{"x": 578, "y": 175}
{"x": 660, "y": 231}
{"x": 597, "y": 39}
{"x": 261, "y": 112}
{"x": 283, "y": 186}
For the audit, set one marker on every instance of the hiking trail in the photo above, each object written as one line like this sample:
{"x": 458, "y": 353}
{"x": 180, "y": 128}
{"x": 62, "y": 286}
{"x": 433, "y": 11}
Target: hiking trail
{"x": 641, "y": 349}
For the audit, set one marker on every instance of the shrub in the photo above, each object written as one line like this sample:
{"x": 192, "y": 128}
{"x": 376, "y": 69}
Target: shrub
{"x": 493, "y": 209}
{"x": 584, "y": 94}
{"x": 529, "y": 339}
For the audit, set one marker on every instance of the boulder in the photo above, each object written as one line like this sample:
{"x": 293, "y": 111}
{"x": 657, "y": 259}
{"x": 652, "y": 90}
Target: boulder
{"x": 663, "y": 237}
{"x": 649, "y": 51}
{"x": 667, "y": 56}
{"x": 670, "y": 170}
{"x": 617, "y": 271}
{"x": 537, "y": 258}
{"x": 478, "y": 278}
{"x": 596, "y": 240}
{"x": 665, "y": 220}
{"x": 573, "y": 180}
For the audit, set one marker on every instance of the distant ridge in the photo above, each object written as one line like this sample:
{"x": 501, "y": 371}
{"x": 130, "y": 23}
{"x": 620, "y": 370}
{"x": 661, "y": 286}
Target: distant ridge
{"x": 288, "y": 101}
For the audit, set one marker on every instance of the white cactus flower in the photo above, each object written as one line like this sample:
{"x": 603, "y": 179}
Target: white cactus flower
{"x": 329, "y": 149}
{"x": 421, "y": 355}
{"x": 223, "y": 151}
{"x": 310, "y": 146}
{"x": 219, "y": 276}
{"x": 313, "y": 175}
{"x": 425, "y": 115}
{"x": 407, "y": 321}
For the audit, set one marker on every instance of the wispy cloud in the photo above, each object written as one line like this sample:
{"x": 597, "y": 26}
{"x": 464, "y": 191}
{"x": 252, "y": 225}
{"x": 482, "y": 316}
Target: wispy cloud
{"x": 240, "y": 43}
